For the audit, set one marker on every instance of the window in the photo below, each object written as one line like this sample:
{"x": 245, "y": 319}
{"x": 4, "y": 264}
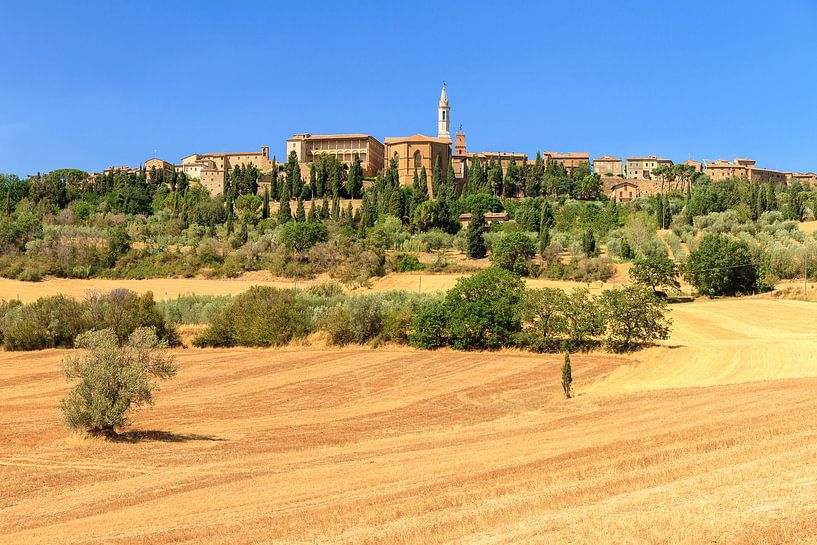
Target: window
{"x": 418, "y": 159}
{"x": 443, "y": 115}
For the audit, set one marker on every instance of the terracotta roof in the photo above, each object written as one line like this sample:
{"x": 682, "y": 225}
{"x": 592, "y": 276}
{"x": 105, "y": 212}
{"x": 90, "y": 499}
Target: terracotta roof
{"x": 415, "y": 138}
{"x": 607, "y": 159}
{"x": 329, "y": 136}
{"x": 650, "y": 158}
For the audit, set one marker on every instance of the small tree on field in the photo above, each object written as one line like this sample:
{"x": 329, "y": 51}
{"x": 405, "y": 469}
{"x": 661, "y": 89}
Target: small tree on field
{"x": 113, "y": 378}
{"x": 655, "y": 272}
{"x": 474, "y": 237}
{"x": 567, "y": 376}
{"x": 721, "y": 265}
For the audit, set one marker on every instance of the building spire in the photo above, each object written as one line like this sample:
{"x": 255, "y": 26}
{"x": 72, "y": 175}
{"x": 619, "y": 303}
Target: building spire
{"x": 443, "y": 116}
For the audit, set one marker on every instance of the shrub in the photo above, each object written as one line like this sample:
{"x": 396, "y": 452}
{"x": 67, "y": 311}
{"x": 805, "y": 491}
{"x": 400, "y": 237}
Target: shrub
{"x": 634, "y": 316}
{"x": 124, "y": 311}
{"x": 261, "y": 316}
{"x": 406, "y": 263}
{"x": 192, "y": 309}
{"x": 301, "y": 236}
{"x": 721, "y": 265}
{"x": 49, "y": 322}
{"x": 514, "y": 253}
{"x": 475, "y": 237}
{"x": 325, "y": 289}
{"x": 481, "y": 311}
{"x": 358, "y": 321}
{"x": 113, "y": 379}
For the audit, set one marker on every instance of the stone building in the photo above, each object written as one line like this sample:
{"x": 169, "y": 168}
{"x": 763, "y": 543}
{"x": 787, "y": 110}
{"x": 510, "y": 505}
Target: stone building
{"x": 343, "y": 146}
{"x": 414, "y": 152}
{"x": 640, "y": 168}
{"x": 804, "y": 178}
{"x": 570, "y": 160}
{"x": 159, "y": 164}
{"x": 417, "y": 151}
{"x": 608, "y": 166}
{"x": 212, "y": 167}
{"x": 744, "y": 168}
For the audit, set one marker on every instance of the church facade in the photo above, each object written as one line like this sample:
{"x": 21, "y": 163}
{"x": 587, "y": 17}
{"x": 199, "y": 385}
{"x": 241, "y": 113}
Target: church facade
{"x": 417, "y": 151}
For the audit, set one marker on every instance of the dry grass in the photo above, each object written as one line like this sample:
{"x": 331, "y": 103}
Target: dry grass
{"x": 303, "y": 446}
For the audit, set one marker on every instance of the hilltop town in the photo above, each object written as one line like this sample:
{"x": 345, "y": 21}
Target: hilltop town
{"x": 622, "y": 179}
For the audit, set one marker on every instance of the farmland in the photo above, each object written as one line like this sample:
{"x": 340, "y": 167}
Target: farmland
{"x": 711, "y": 437}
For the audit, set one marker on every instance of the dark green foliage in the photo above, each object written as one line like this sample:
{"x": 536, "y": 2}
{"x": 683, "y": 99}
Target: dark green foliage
{"x": 721, "y": 265}
{"x": 261, "y": 316}
{"x": 475, "y": 239}
{"x": 406, "y": 263}
{"x": 514, "y": 253}
{"x": 481, "y": 311}
{"x": 589, "y": 244}
{"x": 634, "y": 316}
{"x": 480, "y": 202}
{"x": 301, "y": 236}
{"x": 655, "y": 272}
{"x": 567, "y": 376}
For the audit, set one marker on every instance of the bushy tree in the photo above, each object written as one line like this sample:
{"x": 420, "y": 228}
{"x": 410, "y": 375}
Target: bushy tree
{"x": 113, "y": 379}
{"x": 261, "y": 316}
{"x": 480, "y": 312}
{"x": 301, "y": 236}
{"x": 585, "y": 323}
{"x": 474, "y": 237}
{"x": 514, "y": 253}
{"x": 634, "y": 316}
{"x": 721, "y": 265}
{"x": 543, "y": 315}
{"x": 655, "y": 272}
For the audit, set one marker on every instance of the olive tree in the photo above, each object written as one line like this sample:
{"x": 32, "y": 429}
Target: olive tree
{"x": 113, "y": 378}
{"x": 634, "y": 316}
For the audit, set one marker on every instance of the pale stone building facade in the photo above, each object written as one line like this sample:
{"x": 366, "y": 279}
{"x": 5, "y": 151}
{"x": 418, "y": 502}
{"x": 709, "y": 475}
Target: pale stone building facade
{"x": 212, "y": 167}
{"x": 608, "y": 166}
{"x": 640, "y": 168}
{"x": 744, "y": 168}
{"x": 343, "y": 146}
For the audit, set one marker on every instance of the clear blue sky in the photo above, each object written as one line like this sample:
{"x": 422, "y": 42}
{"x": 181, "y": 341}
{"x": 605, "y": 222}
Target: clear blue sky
{"x": 88, "y": 86}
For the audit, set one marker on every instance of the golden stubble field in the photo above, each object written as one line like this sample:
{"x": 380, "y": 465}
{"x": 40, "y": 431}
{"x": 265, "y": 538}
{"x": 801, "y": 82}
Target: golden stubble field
{"x": 711, "y": 438}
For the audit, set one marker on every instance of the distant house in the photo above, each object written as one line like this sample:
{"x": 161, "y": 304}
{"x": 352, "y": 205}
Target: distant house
{"x": 491, "y": 218}
{"x": 625, "y": 191}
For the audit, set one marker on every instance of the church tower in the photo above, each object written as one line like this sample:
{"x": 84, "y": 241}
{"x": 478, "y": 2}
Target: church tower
{"x": 443, "y": 116}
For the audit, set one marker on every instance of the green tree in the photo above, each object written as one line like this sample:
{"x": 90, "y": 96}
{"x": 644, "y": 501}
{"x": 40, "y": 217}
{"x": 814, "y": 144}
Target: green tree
{"x": 655, "y": 272}
{"x": 543, "y": 316}
{"x": 480, "y": 312}
{"x": 284, "y": 210}
{"x": 634, "y": 316}
{"x": 265, "y": 207}
{"x": 584, "y": 320}
{"x": 514, "y": 252}
{"x": 113, "y": 379}
{"x": 589, "y": 243}
{"x": 300, "y": 213}
{"x": 354, "y": 182}
{"x": 246, "y": 206}
{"x": 301, "y": 236}
{"x": 474, "y": 237}
{"x": 567, "y": 377}
{"x": 721, "y": 265}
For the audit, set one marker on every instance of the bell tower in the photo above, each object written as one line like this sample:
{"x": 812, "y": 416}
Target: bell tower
{"x": 443, "y": 116}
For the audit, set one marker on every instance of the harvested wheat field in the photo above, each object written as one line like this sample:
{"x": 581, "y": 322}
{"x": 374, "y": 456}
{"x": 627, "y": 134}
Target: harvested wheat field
{"x": 358, "y": 446}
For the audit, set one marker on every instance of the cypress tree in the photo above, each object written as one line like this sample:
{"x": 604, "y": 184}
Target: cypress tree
{"x": 336, "y": 208}
{"x": 589, "y": 243}
{"x": 284, "y": 210}
{"x": 300, "y": 214}
{"x": 546, "y": 218}
{"x": 474, "y": 237}
{"x": 349, "y": 213}
{"x": 771, "y": 197}
{"x": 415, "y": 182}
{"x": 325, "y": 208}
{"x": 265, "y": 207}
{"x": 424, "y": 181}
{"x": 313, "y": 213}
{"x": 451, "y": 178}
{"x": 355, "y": 180}
{"x": 567, "y": 376}
{"x": 436, "y": 177}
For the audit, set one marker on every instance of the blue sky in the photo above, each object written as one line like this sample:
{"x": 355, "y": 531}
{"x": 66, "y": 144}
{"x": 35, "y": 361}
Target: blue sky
{"x": 88, "y": 85}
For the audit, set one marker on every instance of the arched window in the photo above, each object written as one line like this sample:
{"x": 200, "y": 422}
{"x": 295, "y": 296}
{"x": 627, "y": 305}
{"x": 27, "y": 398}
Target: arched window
{"x": 443, "y": 115}
{"x": 418, "y": 159}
